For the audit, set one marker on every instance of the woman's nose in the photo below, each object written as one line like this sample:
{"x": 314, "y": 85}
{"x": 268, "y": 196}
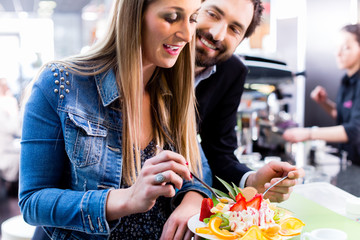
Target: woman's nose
{"x": 338, "y": 51}
{"x": 186, "y": 31}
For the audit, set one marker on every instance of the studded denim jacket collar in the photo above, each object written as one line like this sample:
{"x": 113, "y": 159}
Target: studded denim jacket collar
{"x": 107, "y": 87}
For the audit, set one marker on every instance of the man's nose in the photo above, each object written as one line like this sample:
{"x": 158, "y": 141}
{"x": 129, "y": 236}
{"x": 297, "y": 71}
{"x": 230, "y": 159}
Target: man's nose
{"x": 218, "y": 31}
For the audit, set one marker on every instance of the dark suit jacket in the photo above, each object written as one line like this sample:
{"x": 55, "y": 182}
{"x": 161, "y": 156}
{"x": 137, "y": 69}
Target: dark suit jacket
{"x": 218, "y": 98}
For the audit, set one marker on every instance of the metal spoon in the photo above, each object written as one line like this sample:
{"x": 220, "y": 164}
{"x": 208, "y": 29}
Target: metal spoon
{"x": 274, "y": 184}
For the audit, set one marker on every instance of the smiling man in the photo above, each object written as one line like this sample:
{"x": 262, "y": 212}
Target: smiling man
{"x": 220, "y": 77}
{"x": 222, "y": 25}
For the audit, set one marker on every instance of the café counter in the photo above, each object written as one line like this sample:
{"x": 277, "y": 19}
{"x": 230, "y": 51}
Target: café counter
{"x": 322, "y": 205}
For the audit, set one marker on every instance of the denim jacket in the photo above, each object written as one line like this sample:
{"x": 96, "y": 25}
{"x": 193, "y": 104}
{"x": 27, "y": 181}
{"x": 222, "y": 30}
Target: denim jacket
{"x": 71, "y": 154}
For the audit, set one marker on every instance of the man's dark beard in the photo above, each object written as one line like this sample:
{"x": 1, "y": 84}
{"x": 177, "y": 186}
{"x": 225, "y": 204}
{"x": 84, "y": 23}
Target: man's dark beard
{"x": 201, "y": 59}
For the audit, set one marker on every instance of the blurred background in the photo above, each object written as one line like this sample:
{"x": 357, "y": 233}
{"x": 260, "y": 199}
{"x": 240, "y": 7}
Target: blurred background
{"x": 290, "y": 53}
{"x": 300, "y": 33}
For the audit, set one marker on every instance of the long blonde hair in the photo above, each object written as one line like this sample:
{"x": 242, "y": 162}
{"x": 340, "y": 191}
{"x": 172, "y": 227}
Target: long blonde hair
{"x": 171, "y": 90}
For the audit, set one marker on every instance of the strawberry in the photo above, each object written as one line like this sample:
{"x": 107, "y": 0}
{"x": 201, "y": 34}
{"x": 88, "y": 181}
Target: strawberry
{"x": 255, "y": 202}
{"x": 238, "y": 197}
{"x": 239, "y": 205}
{"x": 206, "y": 205}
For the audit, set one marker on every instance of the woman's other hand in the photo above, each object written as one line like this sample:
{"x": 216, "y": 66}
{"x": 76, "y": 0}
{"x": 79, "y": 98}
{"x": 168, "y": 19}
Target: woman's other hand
{"x": 319, "y": 95}
{"x": 176, "y": 225}
{"x": 167, "y": 166}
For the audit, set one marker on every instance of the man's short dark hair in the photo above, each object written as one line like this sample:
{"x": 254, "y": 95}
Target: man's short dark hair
{"x": 256, "y": 20}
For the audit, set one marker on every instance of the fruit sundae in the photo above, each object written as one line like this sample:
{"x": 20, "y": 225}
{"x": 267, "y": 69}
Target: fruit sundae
{"x": 244, "y": 214}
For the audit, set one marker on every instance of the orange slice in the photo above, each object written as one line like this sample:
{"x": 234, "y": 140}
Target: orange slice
{"x": 291, "y": 227}
{"x": 214, "y": 225}
{"x": 271, "y": 231}
{"x": 252, "y": 233}
{"x": 276, "y": 237}
{"x": 203, "y": 230}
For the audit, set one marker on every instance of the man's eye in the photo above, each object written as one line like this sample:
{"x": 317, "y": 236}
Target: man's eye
{"x": 193, "y": 18}
{"x": 212, "y": 14}
{"x": 171, "y": 17}
{"x": 236, "y": 30}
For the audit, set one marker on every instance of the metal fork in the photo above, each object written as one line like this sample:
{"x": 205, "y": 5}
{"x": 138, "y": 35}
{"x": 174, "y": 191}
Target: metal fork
{"x": 207, "y": 186}
{"x": 274, "y": 184}
{"x": 201, "y": 181}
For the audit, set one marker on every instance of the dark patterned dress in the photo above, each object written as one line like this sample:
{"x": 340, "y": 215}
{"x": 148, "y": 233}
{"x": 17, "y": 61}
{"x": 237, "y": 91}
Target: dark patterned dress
{"x": 146, "y": 225}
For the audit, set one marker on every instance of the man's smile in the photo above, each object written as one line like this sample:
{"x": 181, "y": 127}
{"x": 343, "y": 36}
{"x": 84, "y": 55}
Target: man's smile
{"x": 207, "y": 43}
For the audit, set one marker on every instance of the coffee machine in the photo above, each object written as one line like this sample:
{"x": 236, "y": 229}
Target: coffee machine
{"x": 267, "y": 108}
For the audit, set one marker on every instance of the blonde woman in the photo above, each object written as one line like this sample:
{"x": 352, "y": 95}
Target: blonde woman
{"x": 90, "y": 168}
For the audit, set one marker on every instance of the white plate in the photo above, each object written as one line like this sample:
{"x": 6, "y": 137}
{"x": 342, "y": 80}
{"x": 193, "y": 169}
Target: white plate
{"x": 194, "y": 223}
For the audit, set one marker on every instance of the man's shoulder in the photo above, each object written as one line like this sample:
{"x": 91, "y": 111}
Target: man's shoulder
{"x": 232, "y": 68}
{"x": 234, "y": 61}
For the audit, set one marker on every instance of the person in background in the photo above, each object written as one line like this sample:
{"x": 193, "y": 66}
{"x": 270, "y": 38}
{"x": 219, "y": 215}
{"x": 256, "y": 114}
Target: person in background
{"x": 9, "y": 136}
{"x": 220, "y": 77}
{"x": 89, "y": 165}
{"x": 346, "y": 110}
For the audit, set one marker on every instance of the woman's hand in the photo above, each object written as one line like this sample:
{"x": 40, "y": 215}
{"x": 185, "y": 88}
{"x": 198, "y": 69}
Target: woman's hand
{"x": 295, "y": 135}
{"x": 142, "y": 196}
{"x": 319, "y": 95}
{"x": 176, "y": 225}
{"x": 272, "y": 172}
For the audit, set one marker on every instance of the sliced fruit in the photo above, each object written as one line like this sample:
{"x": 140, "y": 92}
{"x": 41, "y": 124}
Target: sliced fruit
{"x": 214, "y": 225}
{"x": 206, "y": 206}
{"x": 219, "y": 207}
{"x": 203, "y": 230}
{"x": 276, "y": 237}
{"x": 239, "y": 205}
{"x": 255, "y": 202}
{"x": 291, "y": 226}
{"x": 249, "y": 193}
{"x": 272, "y": 232}
{"x": 253, "y": 233}
{"x": 239, "y": 196}
{"x": 226, "y": 200}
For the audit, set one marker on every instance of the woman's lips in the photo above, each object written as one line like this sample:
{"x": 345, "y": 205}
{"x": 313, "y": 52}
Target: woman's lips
{"x": 172, "y": 49}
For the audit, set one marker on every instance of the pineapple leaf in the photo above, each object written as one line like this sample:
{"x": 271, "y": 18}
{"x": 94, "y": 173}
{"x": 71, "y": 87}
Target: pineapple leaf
{"x": 237, "y": 190}
{"x": 232, "y": 192}
{"x": 220, "y": 193}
